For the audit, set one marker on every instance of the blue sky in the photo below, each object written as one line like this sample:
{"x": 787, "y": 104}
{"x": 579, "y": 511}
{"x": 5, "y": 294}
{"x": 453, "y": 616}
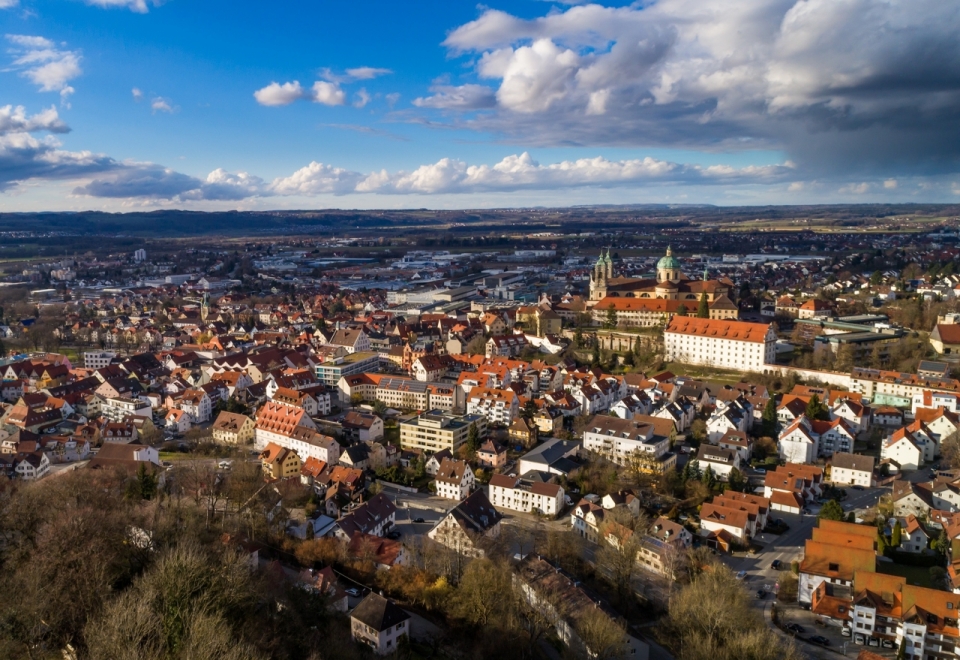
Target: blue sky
{"x": 130, "y": 104}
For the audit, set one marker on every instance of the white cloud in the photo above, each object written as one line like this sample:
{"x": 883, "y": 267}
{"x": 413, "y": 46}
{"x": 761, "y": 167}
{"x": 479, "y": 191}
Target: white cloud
{"x": 855, "y": 188}
{"x": 367, "y": 72}
{"x": 324, "y": 92}
{"x": 464, "y": 97}
{"x": 327, "y": 93}
{"x": 317, "y": 179}
{"x": 137, "y": 94}
{"x": 361, "y": 98}
{"x": 890, "y": 184}
{"x": 806, "y": 76}
{"x": 276, "y": 94}
{"x": 8, "y": 4}
{"x": 15, "y": 120}
{"x": 138, "y": 6}
{"x": 160, "y": 104}
{"x": 392, "y": 98}
{"x": 39, "y": 60}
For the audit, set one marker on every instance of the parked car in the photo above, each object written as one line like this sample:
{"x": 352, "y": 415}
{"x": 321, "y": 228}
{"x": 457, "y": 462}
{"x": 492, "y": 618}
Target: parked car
{"x": 887, "y": 644}
{"x": 775, "y": 565}
{"x": 860, "y": 638}
{"x": 353, "y": 592}
{"x": 873, "y": 641}
{"x": 819, "y": 639}
{"x": 760, "y": 470}
{"x": 796, "y": 628}
{"x": 419, "y": 520}
{"x": 858, "y": 488}
{"x": 761, "y": 594}
{"x": 224, "y": 465}
{"x": 845, "y": 632}
{"x": 742, "y": 575}
{"x": 393, "y": 536}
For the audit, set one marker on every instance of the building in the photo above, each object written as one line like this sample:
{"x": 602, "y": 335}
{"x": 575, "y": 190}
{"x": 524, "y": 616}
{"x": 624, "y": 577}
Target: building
{"x": 454, "y": 479}
{"x": 720, "y": 461}
{"x": 491, "y": 455}
{"x": 98, "y": 359}
{"x": 553, "y": 457}
{"x": 468, "y": 526}
{"x": 497, "y": 405}
{"x": 837, "y": 551}
{"x": 355, "y": 341}
{"x": 528, "y": 496}
{"x": 725, "y": 344}
{"x": 330, "y": 372}
{"x": 904, "y": 449}
{"x": 279, "y": 462}
{"x": 233, "y": 429}
{"x": 790, "y": 487}
{"x": 628, "y": 441}
{"x": 365, "y": 427}
{"x": 670, "y": 284}
{"x": 852, "y": 469}
{"x": 119, "y": 408}
{"x": 380, "y": 624}
{"x": 945, "y": 338}
{"x": 437, "y": 430}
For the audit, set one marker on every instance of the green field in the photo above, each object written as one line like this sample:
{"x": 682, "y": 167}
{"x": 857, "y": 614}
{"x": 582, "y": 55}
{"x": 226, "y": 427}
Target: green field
{"x": 916, "y": 575}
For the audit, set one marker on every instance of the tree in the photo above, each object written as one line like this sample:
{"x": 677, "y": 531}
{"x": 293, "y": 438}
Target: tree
{"x": 145, "y": 485}
{"x": 698, "y": 431}
{"x": 617, "y": 557}
{"x": 708, "y": 478}
{"x": 816, "y": 409}
{"x": 473, "y": 439}
{"x": 595, "y": 355}
{"x": 876, "y": 278}
{"x": 682, "y": 310}
{"x": 831, "y": 511}
{"x": 604, "y": 637}
{"x": 703, "y": 309}
{"x": 530, "y": 409}
{"x": 610, "y": 320}
{"x": 881, "y": 543}
{"x": 896, "y": 536}
{"x": 769, "y": 417}
{"x": 483, "y": 593}
{"x": 379, "y": 408}
{"x": 736, "y": 481}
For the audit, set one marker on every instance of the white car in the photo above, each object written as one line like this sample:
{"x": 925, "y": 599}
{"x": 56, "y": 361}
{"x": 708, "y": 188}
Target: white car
{"x": 742, "y": 575}
{"x": 224, "y": 465}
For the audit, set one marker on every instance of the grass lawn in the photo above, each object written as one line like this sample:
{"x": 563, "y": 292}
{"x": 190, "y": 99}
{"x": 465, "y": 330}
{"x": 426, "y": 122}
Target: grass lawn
{"x": 175, "y": 456}
{"x": 916, "y": 575}
{"x": 706, "y": 373}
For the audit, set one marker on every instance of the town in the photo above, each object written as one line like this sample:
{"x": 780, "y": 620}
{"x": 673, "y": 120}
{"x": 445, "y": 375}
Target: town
{"x": 572, "y": 448}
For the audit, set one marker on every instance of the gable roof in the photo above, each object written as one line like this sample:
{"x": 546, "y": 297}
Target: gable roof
{"x": 379, "y": 613}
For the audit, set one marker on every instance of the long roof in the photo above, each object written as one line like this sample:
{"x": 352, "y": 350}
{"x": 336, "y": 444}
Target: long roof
{"x": 719, "y": 329}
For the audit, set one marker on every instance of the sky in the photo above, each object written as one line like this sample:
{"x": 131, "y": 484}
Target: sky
{"x": 123, "y": 105}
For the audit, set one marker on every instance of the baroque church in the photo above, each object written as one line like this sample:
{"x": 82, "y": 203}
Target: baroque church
{"x": 671, "y": 283}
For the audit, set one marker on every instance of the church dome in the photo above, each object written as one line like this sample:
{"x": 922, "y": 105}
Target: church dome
{"x": 668, "y": 262}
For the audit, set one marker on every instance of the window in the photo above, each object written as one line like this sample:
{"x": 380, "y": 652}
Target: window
{"x": 834, "y": 567}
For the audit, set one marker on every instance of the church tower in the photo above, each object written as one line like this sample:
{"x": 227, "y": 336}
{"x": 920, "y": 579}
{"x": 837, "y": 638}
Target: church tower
{"x": 668, "y": 268}
{"x": 602, "y": 270}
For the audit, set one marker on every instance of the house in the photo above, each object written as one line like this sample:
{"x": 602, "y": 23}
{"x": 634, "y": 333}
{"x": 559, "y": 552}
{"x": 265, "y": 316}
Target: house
{"x": 663, "y": 546}
{"x": 325, "y": 583}
{"x": 720, "y": 461}
{"x": 913, "y": 536}
{"x": 945, "y": 338}
{"x": 888, "y": 416}
{"x": 454, "y": 479}
{"x": 835, "y": 553}
{"x": 586, "y": 518}
{"x": 622, "y": 499}
{"x": 554, "y": 456}
{"x": 797, "y": 444}
{"x": 739, "y": 442}
{"x": 354, "y": 341}
{"x": 364, "y": 427}
{"x": 176, "y": 421}
{"x": 852, "y": 469}
{"x": 30, "y": 465}
{"x": 528, "y": 496}
{"x": 127, "y": 457}
{"x": 383, "y": 553}
{"x": 376, "y": 516}
{"x": 727, "y": 523}
{"x": 903, "y": 449}
{"x": 790, "y": 487}
{"x": 523, "y": 432}
{"x": 499, "y": 406}
{"x": 380, "y": 624}
{"x": 468, "y": 526}
{"x": 279, "y": 462}
{"x": 197, "y": 404}
{"x": 233, "y": 429}
{"x": 491, "y": 455}
{"x": 571, "y": 610}
{"x": 432, "y": 465}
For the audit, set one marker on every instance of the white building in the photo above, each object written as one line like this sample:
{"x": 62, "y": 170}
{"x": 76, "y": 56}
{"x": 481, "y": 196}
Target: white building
{"x": 454, "y": 479}
{"x": 617, "y": 439}
{"x": 513, "y": 493}
{"x": 98, "y": 359}
{"x": 852, "y": 469}
{"x": 720, "y": 343}
{"x": 797, "y": 443}
{"x": 903, "y": 449}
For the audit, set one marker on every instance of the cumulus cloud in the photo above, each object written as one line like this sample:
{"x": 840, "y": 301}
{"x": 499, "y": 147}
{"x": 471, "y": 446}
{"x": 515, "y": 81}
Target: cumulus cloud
{"x": 24, "y": 156}
{"x": 361, "y": 98}
{"x": 367, "y": 72}
{"x": 807, "y": 76}
{"x": 8, "y": 4}
{"x": 49, "y": 67}
{"x": 274, "y": 94}
{"x": 15, "y": 120}
{"x": 137, "y": 94}
{"x": 160, "y": 104}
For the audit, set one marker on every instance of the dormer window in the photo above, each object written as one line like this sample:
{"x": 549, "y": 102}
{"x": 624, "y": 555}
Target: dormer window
{"x": 833, "y": 567}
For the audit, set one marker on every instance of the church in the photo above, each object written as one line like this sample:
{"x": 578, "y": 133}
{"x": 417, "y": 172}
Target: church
{"x": 644, "y": 301}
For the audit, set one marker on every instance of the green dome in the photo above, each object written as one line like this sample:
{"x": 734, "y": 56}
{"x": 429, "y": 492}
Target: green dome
{"x": 668, "y": 262}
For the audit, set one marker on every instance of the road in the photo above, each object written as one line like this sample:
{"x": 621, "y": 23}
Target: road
{"x": 788, "y": 547}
